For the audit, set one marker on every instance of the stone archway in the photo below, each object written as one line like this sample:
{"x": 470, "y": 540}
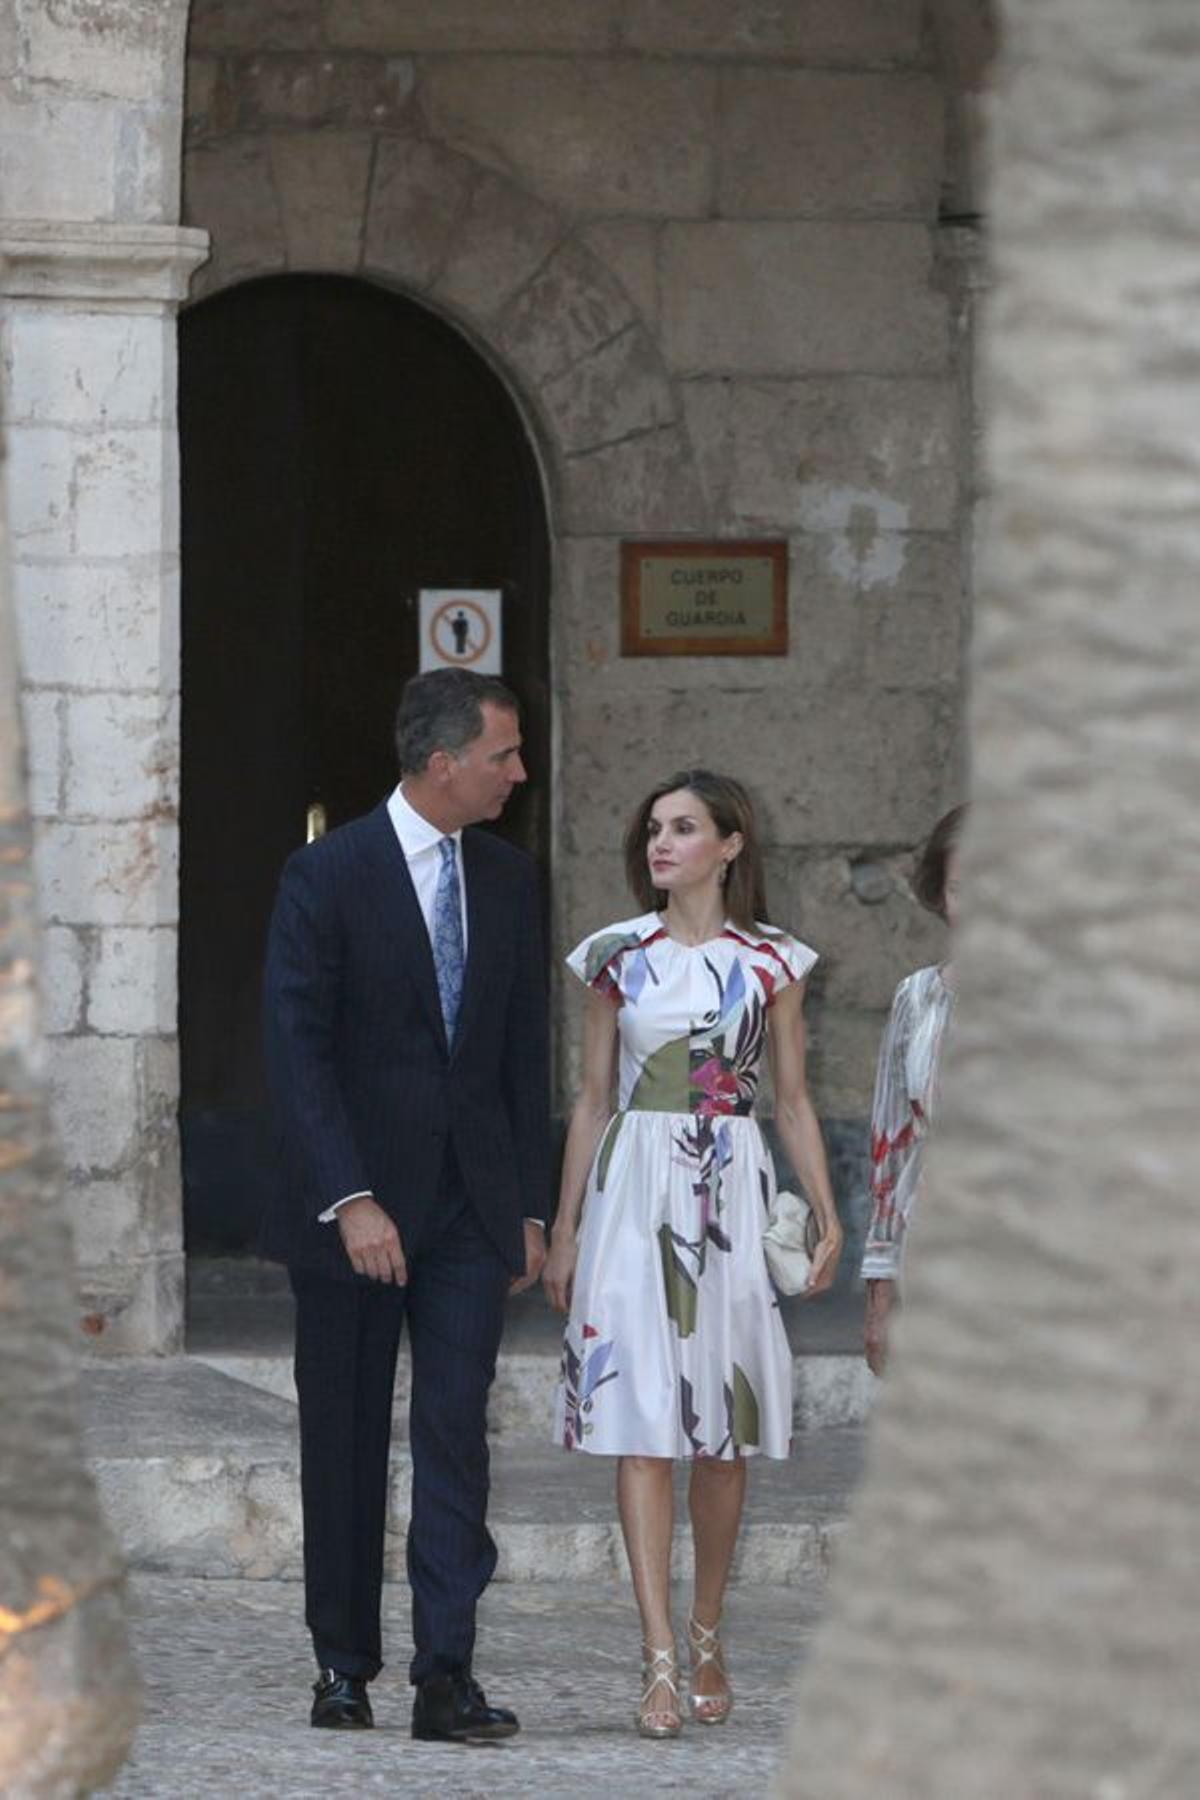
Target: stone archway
{"x": 509, "y": 270}
{"x": 341, "y": 448}
{"x": 574, "y": 343}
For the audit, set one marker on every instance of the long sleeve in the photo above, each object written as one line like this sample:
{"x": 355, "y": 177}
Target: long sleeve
{"x": 302, "y": 981}
{"x": 897, "y": 1134}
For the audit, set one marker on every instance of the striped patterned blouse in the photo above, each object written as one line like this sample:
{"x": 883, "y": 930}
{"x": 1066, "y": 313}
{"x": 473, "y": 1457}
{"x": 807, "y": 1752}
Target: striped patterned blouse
{"x": 905, "y": 1098}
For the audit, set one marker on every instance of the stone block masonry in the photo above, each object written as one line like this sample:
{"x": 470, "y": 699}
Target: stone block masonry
{"x": 800, "y": 142}
{"x": 805, "y": 297}
{"x": 591, "y": 136}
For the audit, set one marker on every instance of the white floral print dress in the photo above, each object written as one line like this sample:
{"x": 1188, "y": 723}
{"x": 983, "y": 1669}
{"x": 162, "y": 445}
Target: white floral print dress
{"x": 674, "y": 1345}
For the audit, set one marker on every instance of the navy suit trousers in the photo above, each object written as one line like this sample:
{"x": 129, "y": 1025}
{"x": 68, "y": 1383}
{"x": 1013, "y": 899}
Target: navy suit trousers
{"x": 347, "y": 1338}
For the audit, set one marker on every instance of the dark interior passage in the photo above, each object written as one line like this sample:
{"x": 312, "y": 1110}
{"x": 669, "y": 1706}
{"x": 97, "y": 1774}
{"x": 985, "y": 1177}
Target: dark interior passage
{"x": 342, "y": 448}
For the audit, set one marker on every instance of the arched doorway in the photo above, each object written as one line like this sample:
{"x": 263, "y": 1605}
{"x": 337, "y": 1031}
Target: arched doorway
{"x": 342, "y": 448}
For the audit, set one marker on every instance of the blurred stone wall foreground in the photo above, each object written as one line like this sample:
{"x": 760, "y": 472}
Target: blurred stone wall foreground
{"x": 1016, "y": 1607}
{"x": 68, "y": 1692}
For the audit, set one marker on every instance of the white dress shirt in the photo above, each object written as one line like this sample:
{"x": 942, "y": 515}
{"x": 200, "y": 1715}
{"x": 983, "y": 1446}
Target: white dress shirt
{"x": 420, "y": 843}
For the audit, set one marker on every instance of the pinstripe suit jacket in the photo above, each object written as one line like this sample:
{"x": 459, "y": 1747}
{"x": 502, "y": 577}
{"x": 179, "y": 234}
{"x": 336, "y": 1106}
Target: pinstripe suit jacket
{"x": 367, "y": 1093}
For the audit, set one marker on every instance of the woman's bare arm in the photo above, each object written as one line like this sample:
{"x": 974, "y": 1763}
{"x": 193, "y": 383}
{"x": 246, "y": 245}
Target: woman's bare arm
{"x": 799, "y": 1129}
{"x": 589, "y": 1116}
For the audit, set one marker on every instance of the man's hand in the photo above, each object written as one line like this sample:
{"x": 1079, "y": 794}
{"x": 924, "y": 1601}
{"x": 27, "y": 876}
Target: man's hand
{"x": 372, "y": 1241}
{"x": 535, "y": 1256}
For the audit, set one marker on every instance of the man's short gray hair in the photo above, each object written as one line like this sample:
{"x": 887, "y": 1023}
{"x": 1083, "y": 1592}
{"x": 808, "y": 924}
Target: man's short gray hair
{"x": 443, "y": 710}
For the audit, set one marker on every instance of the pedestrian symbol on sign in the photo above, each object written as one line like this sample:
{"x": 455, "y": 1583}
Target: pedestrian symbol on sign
{"x": 461, "y": 629}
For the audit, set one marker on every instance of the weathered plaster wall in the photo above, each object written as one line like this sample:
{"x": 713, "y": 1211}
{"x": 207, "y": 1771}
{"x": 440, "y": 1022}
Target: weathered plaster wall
{"x": 700, "y": 241}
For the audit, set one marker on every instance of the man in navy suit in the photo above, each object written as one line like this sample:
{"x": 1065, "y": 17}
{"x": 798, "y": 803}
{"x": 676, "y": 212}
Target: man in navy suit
{"x": 407, "y": 1054}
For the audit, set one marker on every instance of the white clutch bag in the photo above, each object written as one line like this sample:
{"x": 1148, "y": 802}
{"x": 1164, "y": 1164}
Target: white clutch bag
{"x": 789, "y": 1240}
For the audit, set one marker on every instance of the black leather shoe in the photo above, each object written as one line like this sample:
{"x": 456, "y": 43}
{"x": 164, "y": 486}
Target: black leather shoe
{"x": 454, "y": 1709}
{"x": 340, "y": 1702}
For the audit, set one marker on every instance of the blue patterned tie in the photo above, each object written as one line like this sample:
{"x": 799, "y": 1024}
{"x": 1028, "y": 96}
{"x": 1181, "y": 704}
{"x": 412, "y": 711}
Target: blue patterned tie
{"x": 448, "y": 957}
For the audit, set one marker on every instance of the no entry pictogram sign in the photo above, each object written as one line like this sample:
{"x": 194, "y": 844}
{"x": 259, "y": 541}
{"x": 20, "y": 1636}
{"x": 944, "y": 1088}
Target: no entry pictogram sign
{"x": 460, "y": 628}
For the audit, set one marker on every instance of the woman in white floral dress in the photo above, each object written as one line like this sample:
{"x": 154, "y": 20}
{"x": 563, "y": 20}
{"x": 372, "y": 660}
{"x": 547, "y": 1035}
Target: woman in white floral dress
{"x": 674, "y": 1346}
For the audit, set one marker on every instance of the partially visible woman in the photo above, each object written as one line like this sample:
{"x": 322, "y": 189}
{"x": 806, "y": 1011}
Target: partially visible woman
{"x": 674, "y": 1347}
{"x": 906, "y": 1089}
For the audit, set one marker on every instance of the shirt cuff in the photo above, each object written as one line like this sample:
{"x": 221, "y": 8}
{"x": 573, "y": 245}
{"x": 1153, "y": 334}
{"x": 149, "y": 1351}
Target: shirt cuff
{"x": 331, "y": 1212}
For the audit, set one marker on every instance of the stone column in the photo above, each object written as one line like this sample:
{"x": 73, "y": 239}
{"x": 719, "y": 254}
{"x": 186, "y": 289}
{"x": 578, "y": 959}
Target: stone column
{"x": 88, "y": 346}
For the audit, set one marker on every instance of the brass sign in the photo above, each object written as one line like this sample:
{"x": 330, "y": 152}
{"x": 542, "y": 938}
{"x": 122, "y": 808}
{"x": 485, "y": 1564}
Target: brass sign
{"x": 685, "y": 598}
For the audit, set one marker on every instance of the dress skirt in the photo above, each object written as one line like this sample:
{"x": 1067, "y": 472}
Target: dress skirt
{"x": 674, "y": 1346}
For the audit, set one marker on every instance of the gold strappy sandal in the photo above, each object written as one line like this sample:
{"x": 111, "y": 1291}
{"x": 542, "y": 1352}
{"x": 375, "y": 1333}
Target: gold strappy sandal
{"x": 660, "y": 1669}
{"x": 705, "y": 1646}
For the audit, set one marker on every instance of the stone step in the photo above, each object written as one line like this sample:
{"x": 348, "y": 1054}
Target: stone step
{"x": 199, "y": 1474}
{"x": 248, "y": 1335}
{"x": 829, "y": 1390}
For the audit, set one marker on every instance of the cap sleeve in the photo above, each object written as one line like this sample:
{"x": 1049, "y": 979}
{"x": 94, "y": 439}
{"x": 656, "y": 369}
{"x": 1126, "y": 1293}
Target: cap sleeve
{"x": 597, "y": 959}
{"x": 788, "y": 960}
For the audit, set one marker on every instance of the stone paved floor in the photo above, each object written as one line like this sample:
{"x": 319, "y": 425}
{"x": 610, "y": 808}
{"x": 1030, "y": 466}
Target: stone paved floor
{"x": 226, "y": 1671}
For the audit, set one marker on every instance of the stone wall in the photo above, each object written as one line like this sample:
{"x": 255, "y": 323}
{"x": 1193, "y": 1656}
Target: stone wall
{"x": 92, "y": 265}
{"x": 699, "y": 240}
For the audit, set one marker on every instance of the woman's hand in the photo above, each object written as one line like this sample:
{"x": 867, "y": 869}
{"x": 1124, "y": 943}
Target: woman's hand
{"x": 881, "y": 1295}
{"x": 558, "y": 1276}
{"x": 825, "y": 1258}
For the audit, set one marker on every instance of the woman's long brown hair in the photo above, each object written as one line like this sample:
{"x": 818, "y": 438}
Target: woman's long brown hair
{"x": 731, "y": 809}
{"x": 929, "y": 876}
